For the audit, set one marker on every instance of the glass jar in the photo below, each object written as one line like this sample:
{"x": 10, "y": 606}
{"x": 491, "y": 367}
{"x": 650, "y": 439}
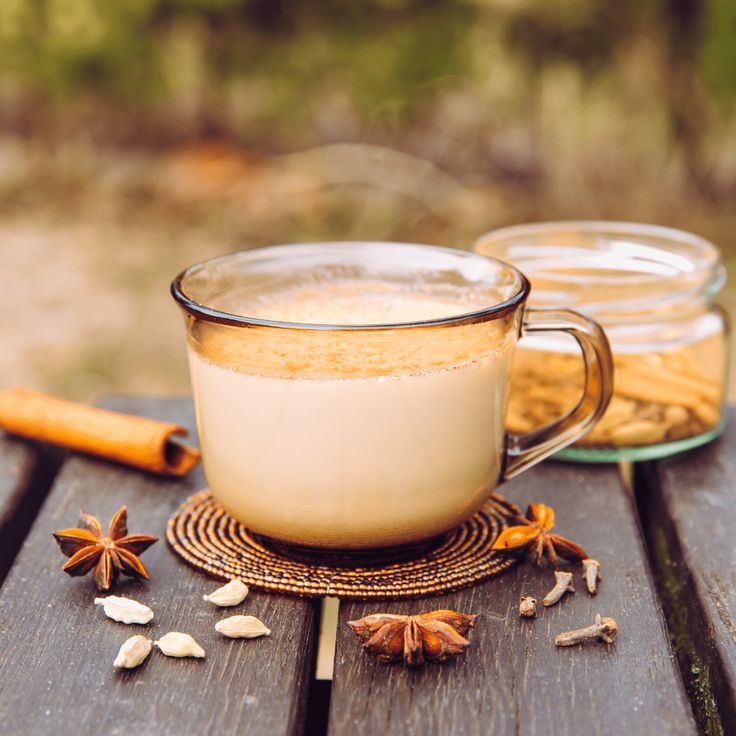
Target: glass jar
{"x": 652, "y": 289}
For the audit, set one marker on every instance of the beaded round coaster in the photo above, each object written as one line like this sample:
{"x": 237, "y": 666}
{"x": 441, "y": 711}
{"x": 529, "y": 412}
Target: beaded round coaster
{"x": 204, "y": 535}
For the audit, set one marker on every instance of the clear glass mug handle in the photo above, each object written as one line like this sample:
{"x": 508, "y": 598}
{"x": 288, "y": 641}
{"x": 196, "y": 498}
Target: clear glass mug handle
{"x": 525, "y": 450}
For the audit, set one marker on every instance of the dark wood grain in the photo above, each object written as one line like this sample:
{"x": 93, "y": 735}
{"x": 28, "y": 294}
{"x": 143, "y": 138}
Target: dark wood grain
{"x": 26, "y": 472}
{"x": 56, "y": 670}
{"x": 513, "y": 679}
{"x": 690, "y": 520}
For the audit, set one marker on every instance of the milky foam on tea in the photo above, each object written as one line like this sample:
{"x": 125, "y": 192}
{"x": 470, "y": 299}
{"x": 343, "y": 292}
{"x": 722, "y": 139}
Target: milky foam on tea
{"x": 353, "y": 461}
{"x": 351, "y": 303}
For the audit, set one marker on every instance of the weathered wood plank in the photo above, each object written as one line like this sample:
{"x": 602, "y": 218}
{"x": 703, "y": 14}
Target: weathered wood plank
{"x": 513, "y": 679}
{"x": 689, "y": 517}
{"x": 26, "y": 472}
{"x": 56, "y": 669}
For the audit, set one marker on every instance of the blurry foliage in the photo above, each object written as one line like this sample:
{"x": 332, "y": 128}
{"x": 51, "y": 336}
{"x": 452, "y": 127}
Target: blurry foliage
{"x": 469, "y": 84}
{"x": 719, "y": 46}
{"x": 281, "y": 56}
{"x": 198, "y": 53}
{"x": 497, "y": 88}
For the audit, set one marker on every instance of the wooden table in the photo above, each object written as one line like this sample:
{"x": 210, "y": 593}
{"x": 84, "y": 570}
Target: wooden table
{"x": 667, "y": 553}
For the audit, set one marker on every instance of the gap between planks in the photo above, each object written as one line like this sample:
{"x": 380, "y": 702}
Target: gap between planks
{"x": 28, "y": 472}
{"x": 703, "y": 671}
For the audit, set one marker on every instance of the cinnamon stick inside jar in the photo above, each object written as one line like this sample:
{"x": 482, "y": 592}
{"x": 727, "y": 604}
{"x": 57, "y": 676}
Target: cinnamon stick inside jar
{"x": 657, "y": 397}
{"x": 130, "y": 440}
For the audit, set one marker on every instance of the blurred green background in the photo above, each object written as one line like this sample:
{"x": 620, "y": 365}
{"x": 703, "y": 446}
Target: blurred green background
{"x": 139, "y": 136}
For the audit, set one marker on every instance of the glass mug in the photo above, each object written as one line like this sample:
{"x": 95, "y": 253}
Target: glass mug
{"x": 352, "y": 395}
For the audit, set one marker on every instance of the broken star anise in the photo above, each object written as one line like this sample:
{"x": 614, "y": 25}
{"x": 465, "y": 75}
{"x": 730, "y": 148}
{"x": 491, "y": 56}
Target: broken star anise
{"x": 435, "y": 636}
{"x": 533, "y": 534}
{"x": 88, "y": 548}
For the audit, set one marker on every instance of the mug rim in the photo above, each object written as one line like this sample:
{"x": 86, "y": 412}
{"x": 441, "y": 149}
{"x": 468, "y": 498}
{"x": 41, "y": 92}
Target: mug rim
{"x": 209, "y": 314}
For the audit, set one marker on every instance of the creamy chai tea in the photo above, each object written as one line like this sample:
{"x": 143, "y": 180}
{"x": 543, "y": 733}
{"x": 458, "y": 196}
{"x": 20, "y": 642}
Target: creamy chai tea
{"x": 321, "y": 431}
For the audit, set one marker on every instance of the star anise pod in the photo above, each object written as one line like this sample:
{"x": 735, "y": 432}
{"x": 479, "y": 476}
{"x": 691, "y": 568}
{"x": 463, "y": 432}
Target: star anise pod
{"x": 435, "y": 636}
{"x": 117, "y": 552}
{"x": 533, "y": 535}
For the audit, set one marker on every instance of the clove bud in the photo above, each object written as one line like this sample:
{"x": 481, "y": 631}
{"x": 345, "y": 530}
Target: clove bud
{"x": 604, "y": 629}
{"x": 562, "y": 586}
{"x": 592, "y": 574}
{"x": 528, "y": 606}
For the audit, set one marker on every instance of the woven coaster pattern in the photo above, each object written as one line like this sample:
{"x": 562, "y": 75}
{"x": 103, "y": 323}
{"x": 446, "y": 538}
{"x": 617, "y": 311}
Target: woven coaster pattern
{"x": 204, "y": 535}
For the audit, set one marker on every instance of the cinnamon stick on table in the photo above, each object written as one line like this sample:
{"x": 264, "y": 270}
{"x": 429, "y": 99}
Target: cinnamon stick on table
{"x": 142, "y": 443}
